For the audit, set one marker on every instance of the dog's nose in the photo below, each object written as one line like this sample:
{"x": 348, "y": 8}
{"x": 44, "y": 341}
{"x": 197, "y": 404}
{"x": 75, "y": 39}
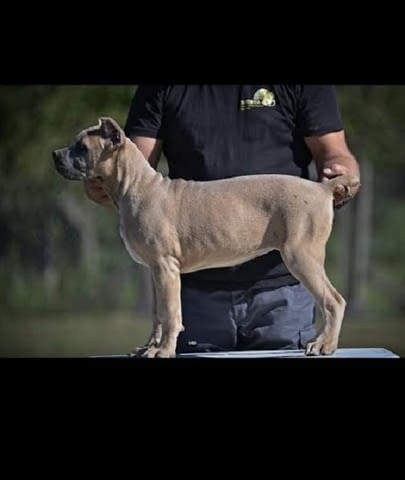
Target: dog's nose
{"x": 57, "y": 159}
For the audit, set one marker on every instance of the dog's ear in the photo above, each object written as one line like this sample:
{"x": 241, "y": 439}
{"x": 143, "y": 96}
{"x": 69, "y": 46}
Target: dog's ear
{"x": 110, "y": 130}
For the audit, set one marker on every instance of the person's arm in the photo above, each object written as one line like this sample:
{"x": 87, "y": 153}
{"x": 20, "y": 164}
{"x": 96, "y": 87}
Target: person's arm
{"x": 320, "y": 123}
{"x": 151, "y": 148}
{"x": 332, "y": 158}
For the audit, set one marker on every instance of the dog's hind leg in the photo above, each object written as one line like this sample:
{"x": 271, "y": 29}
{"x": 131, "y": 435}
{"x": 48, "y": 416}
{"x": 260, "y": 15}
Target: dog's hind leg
{"x": 168, "y": 319}
{"x": 306, "y": 263}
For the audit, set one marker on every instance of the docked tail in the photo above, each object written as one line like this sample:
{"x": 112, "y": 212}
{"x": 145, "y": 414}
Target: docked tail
{"x": 343, "y": 187}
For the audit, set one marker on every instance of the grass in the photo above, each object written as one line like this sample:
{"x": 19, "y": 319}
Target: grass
{"x": 72, "y": 335}
{"x": 374, "y": 331}
{"x": 118, "y": 333}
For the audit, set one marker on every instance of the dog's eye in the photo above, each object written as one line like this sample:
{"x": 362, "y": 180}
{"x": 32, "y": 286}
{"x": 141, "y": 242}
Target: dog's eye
{"x": 81, "y": 148}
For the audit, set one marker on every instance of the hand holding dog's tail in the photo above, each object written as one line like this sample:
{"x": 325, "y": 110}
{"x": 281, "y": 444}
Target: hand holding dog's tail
{"x": 343, "y": 188}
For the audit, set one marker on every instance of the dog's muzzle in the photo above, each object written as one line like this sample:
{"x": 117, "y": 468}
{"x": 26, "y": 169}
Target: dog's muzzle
{"x": 64, "y": 167}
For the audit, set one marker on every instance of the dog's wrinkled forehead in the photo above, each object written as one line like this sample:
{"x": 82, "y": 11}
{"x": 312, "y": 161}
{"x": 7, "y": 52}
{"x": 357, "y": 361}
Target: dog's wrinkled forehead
{"x": 90, "y": 137}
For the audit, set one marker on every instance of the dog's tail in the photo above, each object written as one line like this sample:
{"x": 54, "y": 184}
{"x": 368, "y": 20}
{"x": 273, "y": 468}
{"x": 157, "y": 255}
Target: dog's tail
{"x": 343, "y": 187}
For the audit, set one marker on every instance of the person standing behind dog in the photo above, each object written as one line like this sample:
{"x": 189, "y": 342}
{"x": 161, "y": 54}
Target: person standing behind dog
{"x": 208, "y": 132}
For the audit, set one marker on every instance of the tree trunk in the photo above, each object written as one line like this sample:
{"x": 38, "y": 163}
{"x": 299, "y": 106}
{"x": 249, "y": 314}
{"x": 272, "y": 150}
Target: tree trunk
{"x": 354, "y": 241}
{"x": 81, "y": 217}
{"x": 145, "y": 295}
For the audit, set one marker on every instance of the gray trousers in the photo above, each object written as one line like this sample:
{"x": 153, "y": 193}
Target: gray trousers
{"x": 253, "y": 319}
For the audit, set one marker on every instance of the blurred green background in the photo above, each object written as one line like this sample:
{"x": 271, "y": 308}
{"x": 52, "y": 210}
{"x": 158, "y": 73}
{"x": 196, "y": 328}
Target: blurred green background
{"x": 68, "y": 286}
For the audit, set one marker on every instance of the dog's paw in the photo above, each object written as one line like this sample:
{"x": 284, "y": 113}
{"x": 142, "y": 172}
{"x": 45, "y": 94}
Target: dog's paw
{"x": 154, "y": 352}
{"x": 138, "y": 352}
{"x": 165, "y": 353}
{"x": 321, "y": 346}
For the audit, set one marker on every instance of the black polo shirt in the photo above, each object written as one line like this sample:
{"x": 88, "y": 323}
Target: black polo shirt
{"x": 220, "y": 131}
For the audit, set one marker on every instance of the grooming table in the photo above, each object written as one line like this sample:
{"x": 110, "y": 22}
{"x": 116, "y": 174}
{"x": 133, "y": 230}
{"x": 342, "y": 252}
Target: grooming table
{"x": 340, "y": 353}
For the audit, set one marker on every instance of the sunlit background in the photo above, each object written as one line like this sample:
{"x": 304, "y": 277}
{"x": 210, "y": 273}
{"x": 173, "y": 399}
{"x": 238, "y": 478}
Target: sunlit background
{"x": 68, "y": 286}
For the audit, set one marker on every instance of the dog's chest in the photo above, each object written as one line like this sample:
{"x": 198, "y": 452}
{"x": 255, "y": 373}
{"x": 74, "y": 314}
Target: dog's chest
{"x": 128, "y": 245}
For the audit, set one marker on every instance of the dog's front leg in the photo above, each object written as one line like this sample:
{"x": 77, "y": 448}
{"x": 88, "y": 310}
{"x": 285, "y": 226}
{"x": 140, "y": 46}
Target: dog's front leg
{"x": 156, "y": 335}
{"x": 168, "y": 322}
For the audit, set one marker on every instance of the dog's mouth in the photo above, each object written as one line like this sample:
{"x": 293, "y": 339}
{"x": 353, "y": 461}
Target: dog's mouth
{"x": 68, "y": 173}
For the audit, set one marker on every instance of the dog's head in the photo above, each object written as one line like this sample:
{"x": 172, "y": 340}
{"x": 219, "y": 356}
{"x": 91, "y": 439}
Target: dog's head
{"x": 88, "y": 156}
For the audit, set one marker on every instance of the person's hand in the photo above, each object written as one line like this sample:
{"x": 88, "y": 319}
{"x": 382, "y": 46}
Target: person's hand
{"x": 335, "y": 170}
{"x": 95, "y": 191}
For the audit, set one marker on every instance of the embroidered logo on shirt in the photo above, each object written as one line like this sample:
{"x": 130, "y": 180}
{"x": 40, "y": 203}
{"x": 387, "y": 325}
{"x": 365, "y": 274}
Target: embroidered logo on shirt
{"x": 261, "y": 98}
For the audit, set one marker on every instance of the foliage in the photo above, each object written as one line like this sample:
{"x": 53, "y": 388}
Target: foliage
{"x": 40, "y": 252}
{"x": 45, "y": 262}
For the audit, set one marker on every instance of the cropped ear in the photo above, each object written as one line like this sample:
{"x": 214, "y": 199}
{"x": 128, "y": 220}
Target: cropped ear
{"x": 110, "y": 130}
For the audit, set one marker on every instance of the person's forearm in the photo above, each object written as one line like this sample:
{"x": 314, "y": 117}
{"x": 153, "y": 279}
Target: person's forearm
{"x": 332, "y": 155}
{"x": 337, "y": 164}
{"x": 151, "y": 148}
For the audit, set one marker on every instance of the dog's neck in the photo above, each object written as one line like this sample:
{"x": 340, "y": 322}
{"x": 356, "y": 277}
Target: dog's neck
{"x": 129, "y": 177}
